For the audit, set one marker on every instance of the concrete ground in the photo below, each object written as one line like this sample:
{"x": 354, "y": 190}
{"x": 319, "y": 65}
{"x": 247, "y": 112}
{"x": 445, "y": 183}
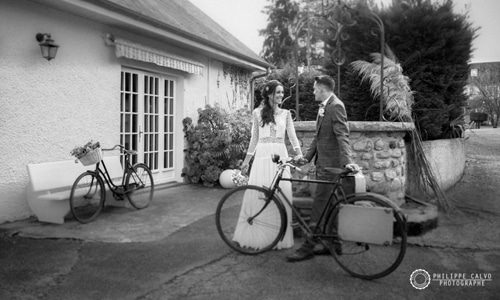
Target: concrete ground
{"x": 171, "y": 250}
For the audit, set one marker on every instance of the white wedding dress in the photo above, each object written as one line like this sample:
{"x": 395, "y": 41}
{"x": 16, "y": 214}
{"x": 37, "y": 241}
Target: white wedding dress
{"x": 265, "y": 141}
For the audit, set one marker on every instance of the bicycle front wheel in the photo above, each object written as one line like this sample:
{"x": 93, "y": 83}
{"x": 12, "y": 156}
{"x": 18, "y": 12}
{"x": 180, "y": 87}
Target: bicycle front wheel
{"x": 87, "y": 197}
{"x": 250, "y": 220}
{"x": 371, "y": 236}
{"x": 139, "y": 186}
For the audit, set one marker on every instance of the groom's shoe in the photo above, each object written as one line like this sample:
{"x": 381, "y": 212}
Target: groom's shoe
{"x": 319, "y": 249}
{"x": 305, "y": 252}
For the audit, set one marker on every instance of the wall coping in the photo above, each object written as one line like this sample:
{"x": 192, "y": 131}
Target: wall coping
{"x": 361, "y": 126}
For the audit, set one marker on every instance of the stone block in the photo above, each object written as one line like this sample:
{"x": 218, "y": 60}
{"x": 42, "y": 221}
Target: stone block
{"x": 377, "y": 176}
{"x": 401, "y": 143}
{"x": 379, "y": 144}
{"x": 396, "y": 153}
{"x": 395, "y": 185}
{"x": 379, "y": 188}
{"x": 365, "y": 166}
{"x": 363, "y": 145}
{"x": 367, "y": 156}
{"x": 390, "y": 174}
{"x": 394, "y": 163}
{"x": 383, "y": 154}
{"x": 399, "y": 171}
{"x": 355, "y": 135}
{"x": 382, "y": 164}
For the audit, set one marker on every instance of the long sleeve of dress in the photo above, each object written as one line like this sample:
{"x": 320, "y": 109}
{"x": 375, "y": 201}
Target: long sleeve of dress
{"x": 254, "y": 133}
{"x": 292, "y": 136}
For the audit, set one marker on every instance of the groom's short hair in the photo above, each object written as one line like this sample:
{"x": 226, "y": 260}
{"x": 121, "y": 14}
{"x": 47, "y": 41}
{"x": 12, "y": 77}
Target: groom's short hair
{"x": 325, "y": 80}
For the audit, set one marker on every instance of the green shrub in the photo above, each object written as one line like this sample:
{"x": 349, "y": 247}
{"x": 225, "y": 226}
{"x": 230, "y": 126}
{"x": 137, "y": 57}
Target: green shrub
{"x": 218, "y": 142}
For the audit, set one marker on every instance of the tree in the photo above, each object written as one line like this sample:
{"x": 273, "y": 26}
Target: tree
{"x": 487, "y": 98}
{"x": 293, "y": 32}
{"x": 278, "y": 44}
{"x": 434, "y": 45}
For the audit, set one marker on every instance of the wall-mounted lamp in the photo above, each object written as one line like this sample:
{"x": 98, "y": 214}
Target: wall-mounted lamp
{"x": 47, "y": 45}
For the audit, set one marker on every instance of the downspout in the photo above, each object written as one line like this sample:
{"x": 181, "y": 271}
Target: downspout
{"x": 252, "y": 87}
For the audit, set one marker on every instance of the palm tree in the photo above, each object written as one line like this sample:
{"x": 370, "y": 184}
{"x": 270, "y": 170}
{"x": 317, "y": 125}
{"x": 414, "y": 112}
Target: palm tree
{"x": 398, "y": 101}
{"x": 398, "y": 97}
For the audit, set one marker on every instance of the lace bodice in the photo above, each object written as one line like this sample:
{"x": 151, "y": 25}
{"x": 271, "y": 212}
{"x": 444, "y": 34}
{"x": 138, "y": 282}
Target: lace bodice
{"x": 273, "y": 133}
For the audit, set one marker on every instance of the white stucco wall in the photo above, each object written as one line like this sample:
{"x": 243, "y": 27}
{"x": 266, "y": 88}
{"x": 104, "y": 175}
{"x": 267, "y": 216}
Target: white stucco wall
{"x": 229, "y": 86}
{"x": 48, "y": 107}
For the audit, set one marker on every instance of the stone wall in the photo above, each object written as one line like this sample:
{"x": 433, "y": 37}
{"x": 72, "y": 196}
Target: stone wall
{"x": 378, "y": 148}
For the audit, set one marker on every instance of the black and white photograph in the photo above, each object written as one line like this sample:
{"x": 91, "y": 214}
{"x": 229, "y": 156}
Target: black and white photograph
{"x": 249, "y": 149}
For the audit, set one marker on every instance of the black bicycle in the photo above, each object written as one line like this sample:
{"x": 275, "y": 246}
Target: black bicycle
{"x": 368, "y": 227}
{"x": 88, "y": 193}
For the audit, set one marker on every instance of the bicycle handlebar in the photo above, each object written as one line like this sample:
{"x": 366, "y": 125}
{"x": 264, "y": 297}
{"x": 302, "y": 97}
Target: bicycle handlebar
{"x": 342, "y": 172}
{"x": 122, "y": 148}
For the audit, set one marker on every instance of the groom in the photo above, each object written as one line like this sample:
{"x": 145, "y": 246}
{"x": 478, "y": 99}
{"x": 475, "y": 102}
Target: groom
{"x": 330, "y": 148}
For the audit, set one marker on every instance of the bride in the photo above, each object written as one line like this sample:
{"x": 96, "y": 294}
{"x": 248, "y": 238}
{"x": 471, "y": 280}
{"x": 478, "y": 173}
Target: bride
{"x": 269, "y": 125}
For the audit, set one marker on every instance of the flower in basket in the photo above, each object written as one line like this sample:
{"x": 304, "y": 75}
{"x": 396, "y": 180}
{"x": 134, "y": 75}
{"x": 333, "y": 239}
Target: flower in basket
{"x": 238, "y": 178}
{"x": 81, "y": 151}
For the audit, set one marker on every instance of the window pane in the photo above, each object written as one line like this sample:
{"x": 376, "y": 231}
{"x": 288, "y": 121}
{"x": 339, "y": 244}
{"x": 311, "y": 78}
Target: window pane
{"x": 134, "y": 142}
{"x": 134, "y": 103}
{"x": 171, "y": 107}
{"x": 127, "y": 123}
{"x": 127, "y": 81}
{"x": 134, "y": 123}
{"x": 146, "y": 85}
{"x": 127, "y": 102}
{"x": 171, "y": 88}
{"x": 135, "y": 79}
{"x": 171, "y": 159}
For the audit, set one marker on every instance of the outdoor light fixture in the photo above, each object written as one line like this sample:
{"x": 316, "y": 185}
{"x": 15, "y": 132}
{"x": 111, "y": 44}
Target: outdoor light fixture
{"x": 47, "y": 45}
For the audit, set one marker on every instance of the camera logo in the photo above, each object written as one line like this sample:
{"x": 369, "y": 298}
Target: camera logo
{"x": 420, "y": 279}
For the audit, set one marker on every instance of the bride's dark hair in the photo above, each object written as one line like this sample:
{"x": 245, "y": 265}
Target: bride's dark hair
{"x": 267, "y": 113}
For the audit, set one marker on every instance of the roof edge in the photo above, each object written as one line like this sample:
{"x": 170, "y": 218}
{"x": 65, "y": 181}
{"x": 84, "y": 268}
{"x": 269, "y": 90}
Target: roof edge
{"x": 140, "y": 17}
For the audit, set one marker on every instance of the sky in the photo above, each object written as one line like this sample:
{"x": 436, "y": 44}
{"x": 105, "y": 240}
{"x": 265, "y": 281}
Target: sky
{"x": 244, "y": 19}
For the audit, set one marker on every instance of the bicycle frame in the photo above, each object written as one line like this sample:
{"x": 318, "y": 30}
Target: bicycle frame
{"x": 115, "y": 189}
{"x": 275, "y": 189}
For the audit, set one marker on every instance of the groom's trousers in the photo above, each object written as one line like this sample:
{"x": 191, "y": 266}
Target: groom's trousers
{"x": 321, "y": 196}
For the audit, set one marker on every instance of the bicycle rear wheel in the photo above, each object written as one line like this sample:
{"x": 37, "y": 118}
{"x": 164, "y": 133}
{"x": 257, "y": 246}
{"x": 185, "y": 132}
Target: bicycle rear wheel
{"x": 367, "y": 254}
{"x": 139, "y": 186}
{"x": 249, "y": 220}
{"x": 87, "y": 197}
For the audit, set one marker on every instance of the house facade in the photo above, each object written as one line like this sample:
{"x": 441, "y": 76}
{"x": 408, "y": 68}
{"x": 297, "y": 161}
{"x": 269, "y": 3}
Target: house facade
{"x": 126, "y": 72}
{"x": 483, "y": 90}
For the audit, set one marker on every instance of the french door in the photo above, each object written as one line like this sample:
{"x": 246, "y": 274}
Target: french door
{"x": 147, "y": 118}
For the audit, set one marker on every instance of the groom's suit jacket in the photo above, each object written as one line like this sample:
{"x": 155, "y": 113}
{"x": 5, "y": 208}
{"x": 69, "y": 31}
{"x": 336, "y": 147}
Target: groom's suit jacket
{"x": 330, "y": 145}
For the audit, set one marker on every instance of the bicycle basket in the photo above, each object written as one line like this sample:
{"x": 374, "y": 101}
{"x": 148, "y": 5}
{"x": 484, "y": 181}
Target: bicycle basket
{"x": 92, "y": 157}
